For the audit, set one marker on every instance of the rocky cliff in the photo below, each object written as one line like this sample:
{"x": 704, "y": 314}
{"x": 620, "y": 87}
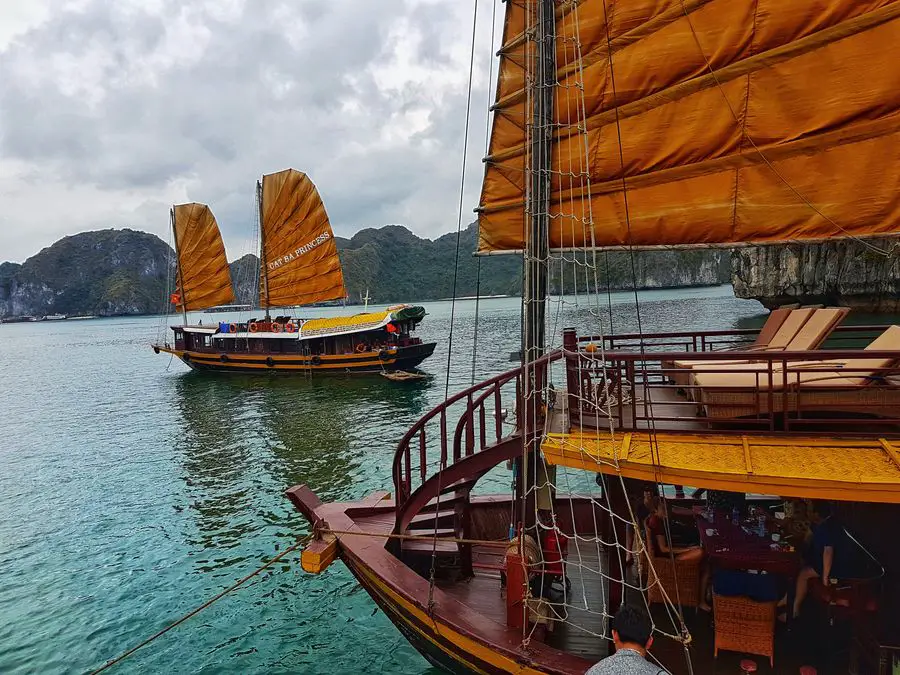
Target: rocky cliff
{"x": 106, "y": 273}
{"x": 842, "y": 272}
{"x": 113, "y": 272}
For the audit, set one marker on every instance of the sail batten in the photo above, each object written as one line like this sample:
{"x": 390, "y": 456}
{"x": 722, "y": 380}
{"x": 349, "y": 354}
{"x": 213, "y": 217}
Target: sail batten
{"x": 741, "y": 121}
{"x": 204, "y": 278}
{"x": 301, "y": 259}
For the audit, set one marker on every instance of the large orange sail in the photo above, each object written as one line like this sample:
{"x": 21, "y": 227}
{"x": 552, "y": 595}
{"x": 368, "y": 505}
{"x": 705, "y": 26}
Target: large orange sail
{"x": 300, "y": 263}
{"x": 203, "y": 278}
{"x": 736, "y": 121}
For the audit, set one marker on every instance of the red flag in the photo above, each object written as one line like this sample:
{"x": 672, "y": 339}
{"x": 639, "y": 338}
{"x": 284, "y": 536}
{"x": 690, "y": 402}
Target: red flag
{"x": 175, "y": 299}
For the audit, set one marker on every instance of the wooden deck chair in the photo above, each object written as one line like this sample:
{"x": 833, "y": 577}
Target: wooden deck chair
{"x": 843, "y": 385}
{"x": 797, "y": 334}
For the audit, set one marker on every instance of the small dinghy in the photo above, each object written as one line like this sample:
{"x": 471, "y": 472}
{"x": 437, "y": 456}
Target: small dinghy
{"x": 402, "y": 375}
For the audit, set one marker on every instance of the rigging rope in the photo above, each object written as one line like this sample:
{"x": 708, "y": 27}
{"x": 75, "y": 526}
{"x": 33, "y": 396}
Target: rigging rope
{"x": 293, "y": 547}
{"x": 654, "y": 445}
{"x": 462, "y": 186}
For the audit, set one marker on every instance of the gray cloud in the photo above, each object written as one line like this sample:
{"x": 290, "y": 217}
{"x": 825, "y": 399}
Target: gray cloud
{"x": 110, "y": 111}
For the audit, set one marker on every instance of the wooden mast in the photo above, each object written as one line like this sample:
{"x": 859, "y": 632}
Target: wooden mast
{"x": 262, "y": 247}
{"x": 537, "y": 214}
{"x": 181, "y": 297}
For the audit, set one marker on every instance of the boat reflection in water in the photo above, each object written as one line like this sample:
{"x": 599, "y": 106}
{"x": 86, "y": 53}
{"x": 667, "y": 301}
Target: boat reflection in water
{"x": 242, "y": 433}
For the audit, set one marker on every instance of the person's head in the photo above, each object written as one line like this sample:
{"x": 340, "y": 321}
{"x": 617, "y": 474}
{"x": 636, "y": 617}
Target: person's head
{"x": 631, "y": 628}
{"x": 648, "y": 493}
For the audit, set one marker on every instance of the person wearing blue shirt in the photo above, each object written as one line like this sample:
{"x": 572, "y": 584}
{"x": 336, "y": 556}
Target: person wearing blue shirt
{"x": 632, "y": 635}
{"x": 829, "y": 558}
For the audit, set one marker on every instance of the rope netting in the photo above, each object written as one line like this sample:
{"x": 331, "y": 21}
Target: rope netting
{"x": 598, "y": 551}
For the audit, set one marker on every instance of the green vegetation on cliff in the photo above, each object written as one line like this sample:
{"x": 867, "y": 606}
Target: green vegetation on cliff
{"x": 112, "y": 272}
{"x": 107, "y": 272}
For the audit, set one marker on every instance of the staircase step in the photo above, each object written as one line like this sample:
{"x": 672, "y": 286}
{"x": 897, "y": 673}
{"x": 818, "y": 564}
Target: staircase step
{"x": 426, "y": 521}
{"x": 446, "y": 501}
{"x": 426, "y": 546}
{"x": 440, "y": 533}
{"x": 464, "y": 484}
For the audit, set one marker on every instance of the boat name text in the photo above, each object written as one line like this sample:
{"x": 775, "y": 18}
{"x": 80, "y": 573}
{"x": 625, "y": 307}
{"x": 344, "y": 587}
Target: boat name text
{"x": 306, "y": 248}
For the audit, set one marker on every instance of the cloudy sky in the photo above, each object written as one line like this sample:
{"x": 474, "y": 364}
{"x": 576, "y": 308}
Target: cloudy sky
{"x": 112, "y": 111}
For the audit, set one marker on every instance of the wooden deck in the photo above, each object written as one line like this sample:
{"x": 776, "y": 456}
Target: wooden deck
{"x": 583, "y": 615}
{"x": 582, "y": 623}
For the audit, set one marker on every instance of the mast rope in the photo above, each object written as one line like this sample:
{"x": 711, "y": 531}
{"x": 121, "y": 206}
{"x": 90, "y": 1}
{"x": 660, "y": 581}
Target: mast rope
{"x": 487, "y": 142}
{"x": 654, "y": 445}
{"x": 236, "y": 585}
{"x": 462, "y": 186}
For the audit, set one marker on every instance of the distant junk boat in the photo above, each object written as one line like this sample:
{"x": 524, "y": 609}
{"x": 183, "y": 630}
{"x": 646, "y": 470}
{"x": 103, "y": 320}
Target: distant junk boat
{"x": 299, "y": 265}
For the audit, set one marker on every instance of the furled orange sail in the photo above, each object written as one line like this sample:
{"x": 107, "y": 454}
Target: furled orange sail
{"x": 740, "y": 121}
{"x": 300, "y": 263}
{"x": 203, "y": 279}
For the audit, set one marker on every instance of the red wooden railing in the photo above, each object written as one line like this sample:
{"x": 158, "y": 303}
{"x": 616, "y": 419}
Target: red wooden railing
{"x": 458, "y": 428}
{"x": 630, "y": 380}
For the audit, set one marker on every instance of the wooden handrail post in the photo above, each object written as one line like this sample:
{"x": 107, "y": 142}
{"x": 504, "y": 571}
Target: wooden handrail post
{"x": 570, "y": 351}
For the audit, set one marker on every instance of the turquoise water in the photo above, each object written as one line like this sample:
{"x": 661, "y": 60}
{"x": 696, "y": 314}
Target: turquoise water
{"x": 133, "y": 489}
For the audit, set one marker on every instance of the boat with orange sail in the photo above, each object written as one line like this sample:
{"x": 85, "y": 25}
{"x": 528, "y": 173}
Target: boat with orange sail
{"x": 299, "y": 265}
{"x": 656, "y": 124}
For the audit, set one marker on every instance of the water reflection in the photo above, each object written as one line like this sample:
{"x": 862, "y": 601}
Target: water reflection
{"x": 240, "y": 435}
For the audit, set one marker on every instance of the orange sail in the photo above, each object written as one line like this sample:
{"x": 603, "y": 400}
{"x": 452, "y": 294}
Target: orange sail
{"x": 738, "y": 121}
{"x": 299, "y": 262}
{"x": 203, "y": 276}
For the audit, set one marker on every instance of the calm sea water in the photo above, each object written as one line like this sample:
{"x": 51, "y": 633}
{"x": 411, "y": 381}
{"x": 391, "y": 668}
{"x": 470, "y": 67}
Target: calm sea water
{"x": 132, "y": 489}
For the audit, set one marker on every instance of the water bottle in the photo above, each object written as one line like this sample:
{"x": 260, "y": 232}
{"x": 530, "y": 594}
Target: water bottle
{"x": 735, "y": 515}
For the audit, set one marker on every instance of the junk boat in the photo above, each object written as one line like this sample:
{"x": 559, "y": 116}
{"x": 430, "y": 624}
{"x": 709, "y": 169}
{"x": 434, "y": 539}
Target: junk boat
{"x": 299, "y": 265}
{"x": 650, "y": 124}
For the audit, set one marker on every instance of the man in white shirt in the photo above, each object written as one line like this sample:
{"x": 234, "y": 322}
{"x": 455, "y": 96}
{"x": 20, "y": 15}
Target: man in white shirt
{"x": 632, "y": 635}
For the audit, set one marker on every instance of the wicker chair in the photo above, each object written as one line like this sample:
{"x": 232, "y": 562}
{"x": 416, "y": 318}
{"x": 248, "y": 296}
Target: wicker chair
{"x": 744, "y": 625}
{"x": 665, "y": 572}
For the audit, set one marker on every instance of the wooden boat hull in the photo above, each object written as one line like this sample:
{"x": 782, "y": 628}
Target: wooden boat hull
{"x": 451, "y": 636}
{"x": 399, "y": 358}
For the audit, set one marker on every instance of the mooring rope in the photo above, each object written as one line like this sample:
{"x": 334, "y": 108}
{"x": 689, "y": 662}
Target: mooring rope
{"x": 293, "y": 547}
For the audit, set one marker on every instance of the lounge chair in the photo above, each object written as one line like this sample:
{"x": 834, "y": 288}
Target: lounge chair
{"x": 855, "y": 385}
{"x": 803, "y": 329}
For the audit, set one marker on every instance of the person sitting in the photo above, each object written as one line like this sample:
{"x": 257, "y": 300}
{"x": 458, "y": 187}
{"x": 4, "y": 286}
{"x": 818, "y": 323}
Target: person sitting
{"x": 641, "y": 512}
{"x": 660, "y": 531}
{"x": 829, "y": 558}
{"x": 632, "y": 635}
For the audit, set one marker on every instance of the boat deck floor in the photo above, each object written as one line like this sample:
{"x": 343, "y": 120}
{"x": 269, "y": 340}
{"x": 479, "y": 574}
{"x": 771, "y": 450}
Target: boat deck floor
{"x": 582, "y": 617}
{"x": 582, "y": 621}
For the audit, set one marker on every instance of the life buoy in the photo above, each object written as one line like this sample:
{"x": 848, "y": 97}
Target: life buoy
{"x": 232, "y": 328}
{"x": 253, "y": 327}
{"x": 290, "y": 328}
{"x": 224, "y": 358}
{"x": 315, "y": 360}
{"x": 360, "y": 348}
{"x": 270, "y": 362}
{"x": 276, "y": 327}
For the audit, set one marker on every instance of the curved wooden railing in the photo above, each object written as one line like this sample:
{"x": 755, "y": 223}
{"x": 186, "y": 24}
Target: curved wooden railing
{"x": 457, "y": 439}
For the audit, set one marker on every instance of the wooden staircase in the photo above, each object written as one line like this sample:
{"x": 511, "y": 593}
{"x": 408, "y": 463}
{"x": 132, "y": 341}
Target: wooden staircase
{"x": 433, "y": 482}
